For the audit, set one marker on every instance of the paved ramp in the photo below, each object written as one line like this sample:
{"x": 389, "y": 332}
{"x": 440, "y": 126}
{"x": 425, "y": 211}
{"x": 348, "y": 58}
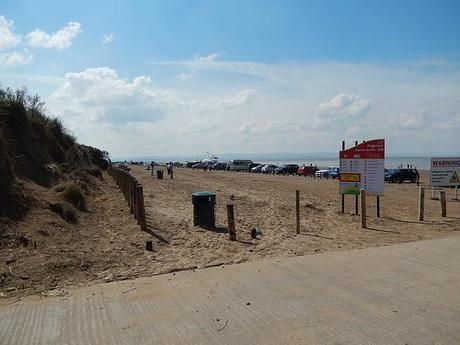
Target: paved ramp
{"x": 404, "y": 294}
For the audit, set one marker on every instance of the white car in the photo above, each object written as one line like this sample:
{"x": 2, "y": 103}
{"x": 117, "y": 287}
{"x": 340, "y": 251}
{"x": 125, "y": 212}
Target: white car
{"x": 269, "y": 169}
{"x": 321, "y": 173}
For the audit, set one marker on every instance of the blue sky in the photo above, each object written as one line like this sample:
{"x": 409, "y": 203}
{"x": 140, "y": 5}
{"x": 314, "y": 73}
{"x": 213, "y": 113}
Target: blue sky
{"x": 182, "y": 77}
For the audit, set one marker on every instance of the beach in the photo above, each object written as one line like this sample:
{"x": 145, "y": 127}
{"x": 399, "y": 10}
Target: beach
{"x": 108, "y": 245}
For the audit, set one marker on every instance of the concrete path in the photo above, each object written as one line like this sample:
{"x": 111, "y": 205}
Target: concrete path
{"x": 404, "y": 294}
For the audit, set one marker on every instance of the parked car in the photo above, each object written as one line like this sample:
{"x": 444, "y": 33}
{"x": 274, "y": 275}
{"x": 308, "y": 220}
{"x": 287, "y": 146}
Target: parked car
{"x": 198, "y": 165}
{"x": 307, "y": 170}
{"x": 287, "y": 169}
{"x": 401, "y": 175}
{"x": 219, "y": 166}
{"x": 239, "y": 164}
{"x": 258, "y": 168}
{"x": 252, "y": 165}
{"x": 269, "y": 169}
{"x": 321, "y": 173}
{"x": 333, "y": 173}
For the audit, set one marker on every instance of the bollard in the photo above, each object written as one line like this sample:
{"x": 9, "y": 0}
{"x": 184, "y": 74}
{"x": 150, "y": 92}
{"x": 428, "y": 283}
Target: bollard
{"x": 138, "y": 206}
{"x": 442, "y": 198}
{"x": 363, "y": 208}
{"x": 421, "y": 203}
{"x": 132, "y": 186}
{"x": 297, "y": 212}
{"x": 231, "y": 222}
{"x": 142, "y": 222}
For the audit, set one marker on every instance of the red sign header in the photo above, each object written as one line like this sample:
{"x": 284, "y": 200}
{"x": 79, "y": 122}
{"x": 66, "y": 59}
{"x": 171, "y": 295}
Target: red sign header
{"x": 372, "y": 149}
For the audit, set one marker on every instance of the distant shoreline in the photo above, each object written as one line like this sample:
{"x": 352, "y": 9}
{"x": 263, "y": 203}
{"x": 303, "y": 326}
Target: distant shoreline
{"x": 419, "y": 162}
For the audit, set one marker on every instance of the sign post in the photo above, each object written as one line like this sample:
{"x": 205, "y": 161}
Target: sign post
{"x": 363, "y": 167}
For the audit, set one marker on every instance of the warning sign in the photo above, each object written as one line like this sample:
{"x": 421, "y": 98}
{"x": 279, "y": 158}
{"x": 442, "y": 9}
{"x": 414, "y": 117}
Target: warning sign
{"x": 445, "y": 172}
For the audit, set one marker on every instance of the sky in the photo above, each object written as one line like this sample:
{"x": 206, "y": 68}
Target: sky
{"x": 159, "y": 78}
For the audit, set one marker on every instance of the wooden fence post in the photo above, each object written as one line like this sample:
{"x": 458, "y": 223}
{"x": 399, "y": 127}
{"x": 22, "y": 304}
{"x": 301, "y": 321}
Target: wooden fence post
{"x": 343, "y": 195}
{"x": 442, "y": 198}
{"x": 421, "y": 203}
{"x": 378, "y": 206}
{"x": 297, "y": 211}
{"x": 136, "y": 202}
{"x": 142, "y": 220}
{"x": 363, "y": 208}
{"x": 131, "y": 195}
{"x": 231, "y": 222}
{"x": 356, "y": 197}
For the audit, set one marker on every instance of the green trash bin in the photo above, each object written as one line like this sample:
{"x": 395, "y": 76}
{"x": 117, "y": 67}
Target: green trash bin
{"x": 203, "y": 209}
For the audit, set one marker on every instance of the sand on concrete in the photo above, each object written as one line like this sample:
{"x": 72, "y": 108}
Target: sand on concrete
{"x": 401, "y": 294}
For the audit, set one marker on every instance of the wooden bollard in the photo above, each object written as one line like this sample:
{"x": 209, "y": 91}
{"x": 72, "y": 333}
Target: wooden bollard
{"x": 231, "y": 222}
{"x": 142, "y": 219}
{"x": 421, "y": 203}
{"x": 132, "y": 187}
{"x": 297, "y": 211}
{"x": 442, "y": 198}
{"x": 149, "y": 246}
{"x": 363, "y": 208}
{"x": 136, "y": 202}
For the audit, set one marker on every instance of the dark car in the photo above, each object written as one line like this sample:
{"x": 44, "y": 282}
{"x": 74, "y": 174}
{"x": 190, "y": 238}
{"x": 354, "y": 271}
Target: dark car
{"x": 191, "y": 164}
{"x": 287, "y": 169}
{"x": 218, "y": 166}
{"x": 401, "y": 175}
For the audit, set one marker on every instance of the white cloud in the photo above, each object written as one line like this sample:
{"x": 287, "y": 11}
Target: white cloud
{"x": 205, "y": 59}
{"x": 281, "y": 107}
{"x": 107, "y": 39}
{"x": 60, "y": 39}
{"x": 343, "y": 106}
{"x": 101, "y": 95}
{"x": 7, "y": 38}
{"x": 408, "y": 121}
{"x": 15, "y": 58}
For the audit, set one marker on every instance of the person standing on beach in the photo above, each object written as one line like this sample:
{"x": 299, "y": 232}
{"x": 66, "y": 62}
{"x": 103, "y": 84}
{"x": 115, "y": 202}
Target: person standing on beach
{"x": 171, "y": 169}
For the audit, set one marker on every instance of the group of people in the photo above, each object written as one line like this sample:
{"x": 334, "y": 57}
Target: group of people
{"x": 169, "y": 169}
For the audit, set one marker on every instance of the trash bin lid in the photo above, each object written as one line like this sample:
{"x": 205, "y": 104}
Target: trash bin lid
{"x": 203, "y": 194}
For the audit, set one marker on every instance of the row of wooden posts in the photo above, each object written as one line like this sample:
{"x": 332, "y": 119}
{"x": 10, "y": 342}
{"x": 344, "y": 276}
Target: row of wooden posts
{"x": 133, "y": 192}
{"x": 442, "y": 201}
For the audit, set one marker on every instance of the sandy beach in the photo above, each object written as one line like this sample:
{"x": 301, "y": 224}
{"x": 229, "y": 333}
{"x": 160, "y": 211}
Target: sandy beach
{"x": 108, "y": 245}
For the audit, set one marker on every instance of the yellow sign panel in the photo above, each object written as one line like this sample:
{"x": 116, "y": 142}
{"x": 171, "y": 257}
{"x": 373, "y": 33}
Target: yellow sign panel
{"x": 350, "y": 177}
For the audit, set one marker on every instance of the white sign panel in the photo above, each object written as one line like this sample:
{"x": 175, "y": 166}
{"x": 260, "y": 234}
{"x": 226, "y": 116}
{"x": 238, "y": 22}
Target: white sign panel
{"x": 363, "y": 167}
{"x": 445, "y": 172}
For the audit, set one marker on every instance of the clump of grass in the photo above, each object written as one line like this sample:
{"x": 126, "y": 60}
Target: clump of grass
{"x": 74, "y": 195}
{"x": 69, "y": 214}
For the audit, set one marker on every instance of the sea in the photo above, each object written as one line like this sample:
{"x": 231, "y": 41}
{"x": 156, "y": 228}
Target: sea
{"x": 321, "y": 160}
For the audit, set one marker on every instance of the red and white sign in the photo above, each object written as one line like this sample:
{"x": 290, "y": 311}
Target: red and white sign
{"x": 368, "y": 160}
